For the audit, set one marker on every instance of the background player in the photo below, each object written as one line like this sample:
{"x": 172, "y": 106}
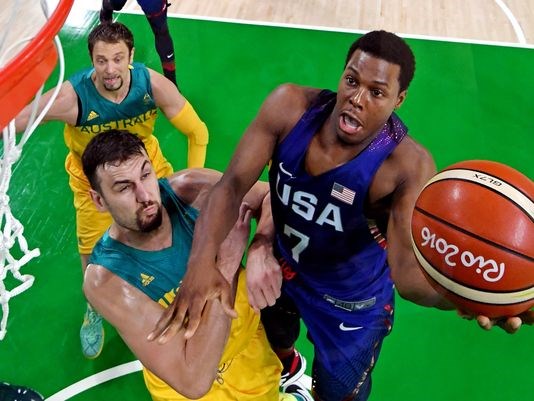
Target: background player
{"x": 156, "y": 14}
{"x": 114, "y": 93}
{"x": 344, "y": 174}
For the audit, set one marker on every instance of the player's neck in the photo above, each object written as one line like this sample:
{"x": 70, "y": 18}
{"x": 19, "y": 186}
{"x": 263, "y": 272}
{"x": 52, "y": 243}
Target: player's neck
{"x": 327, "y": 152}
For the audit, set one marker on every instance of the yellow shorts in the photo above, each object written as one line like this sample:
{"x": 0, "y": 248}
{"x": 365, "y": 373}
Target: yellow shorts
{"x": 90, "y": 223}
{"x": 254, "y": 374}
{"x": 251, "y": 371}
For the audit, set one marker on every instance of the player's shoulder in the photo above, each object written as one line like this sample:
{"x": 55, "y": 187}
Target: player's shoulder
{"x": 285, "y": 105}
{"x": 295, "y": 95}
{"x": 97, "y": 279}
{"x": 193, "y": 184}
{"x": 410, "y": 148}
{"x": 412, "y": 161}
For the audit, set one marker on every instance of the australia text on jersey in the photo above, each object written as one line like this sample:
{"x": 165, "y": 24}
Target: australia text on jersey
{"x": 123, "y": 124}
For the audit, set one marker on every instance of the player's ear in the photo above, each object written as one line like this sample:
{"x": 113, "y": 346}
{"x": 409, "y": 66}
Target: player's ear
{"x": 132, "y": 55}
{"x": 400, "y": 98}
{"x": 98, "y": 200}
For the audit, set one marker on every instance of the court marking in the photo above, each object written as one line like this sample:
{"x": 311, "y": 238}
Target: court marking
{"x": 521, "y": 37}
{"x": 95, "y": 380}
{"x": 113, "y": 373}
{"x": 513, "y": 20}
{"x": 342, "y": 30}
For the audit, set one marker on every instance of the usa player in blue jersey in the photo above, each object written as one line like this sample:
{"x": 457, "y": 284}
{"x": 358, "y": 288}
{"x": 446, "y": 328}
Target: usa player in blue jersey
{"x": 344, "y": 178}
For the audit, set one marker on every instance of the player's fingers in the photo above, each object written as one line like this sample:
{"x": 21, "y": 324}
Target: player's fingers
{"x": 271, "y": 292}
{"x": 177, "y": 321}
{"x": 269, "y": 296}
{"x": 162, "y": 323}
{"x": 276, "y": 286}
{"x": 527, "y": 317}
{"x": 169, "y": 332}
{"x": 484, "y": 322}
{"x": 511, "y": 325}
{"x": 195, "y": 313}
{"x": 253, "y": 299}
{"x": 261, "y": 302}
{"x": 226, "y": 303}
{"x": 245, "y": 213}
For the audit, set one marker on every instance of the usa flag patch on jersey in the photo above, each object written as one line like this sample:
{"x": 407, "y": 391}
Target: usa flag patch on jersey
{"x": 342, "y": 193}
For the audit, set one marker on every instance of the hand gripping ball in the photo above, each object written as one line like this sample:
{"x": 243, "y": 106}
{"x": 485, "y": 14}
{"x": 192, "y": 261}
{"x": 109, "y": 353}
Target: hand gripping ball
{"x": 473, "y": 235}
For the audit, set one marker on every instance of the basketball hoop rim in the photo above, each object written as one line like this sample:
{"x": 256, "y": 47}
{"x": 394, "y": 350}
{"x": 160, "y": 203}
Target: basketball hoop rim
{"x": 40, "y": 42}
{"x": 29, "y": 69}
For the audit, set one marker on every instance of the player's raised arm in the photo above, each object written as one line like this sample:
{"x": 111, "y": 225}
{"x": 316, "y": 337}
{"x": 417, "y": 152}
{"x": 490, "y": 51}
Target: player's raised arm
{"x": 183, "y": 116}
{"x": 201, "y": 281}
{"x": 64, "y": 108}
{"x": 417, "y": 168}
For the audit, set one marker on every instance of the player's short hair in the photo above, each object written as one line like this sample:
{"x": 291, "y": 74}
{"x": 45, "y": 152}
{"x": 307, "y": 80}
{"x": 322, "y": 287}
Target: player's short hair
{"x": 114, "y": 147}
{"x": 389, "y": 47}
{"x": 110, "y": 32}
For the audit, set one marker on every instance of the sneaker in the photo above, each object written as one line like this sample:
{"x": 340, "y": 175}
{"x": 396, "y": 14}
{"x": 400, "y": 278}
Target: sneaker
{"x": 9, "y": 392}
{"x": 298, "y": 391}
{"x": 92, "y": 334}
{"x": 297, "y": 369}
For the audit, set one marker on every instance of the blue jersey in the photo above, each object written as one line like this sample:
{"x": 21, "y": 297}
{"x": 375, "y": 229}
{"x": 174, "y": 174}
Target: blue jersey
{"x": 322, "y": 231}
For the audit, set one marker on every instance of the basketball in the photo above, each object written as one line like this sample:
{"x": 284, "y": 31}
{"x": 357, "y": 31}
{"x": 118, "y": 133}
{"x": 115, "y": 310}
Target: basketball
{"x": 473, "y": 235}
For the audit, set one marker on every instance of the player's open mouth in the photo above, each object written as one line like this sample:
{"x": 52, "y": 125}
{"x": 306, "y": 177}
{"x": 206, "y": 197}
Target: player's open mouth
{"x": 110, "y": 80}
{"x": 349, "y": 124}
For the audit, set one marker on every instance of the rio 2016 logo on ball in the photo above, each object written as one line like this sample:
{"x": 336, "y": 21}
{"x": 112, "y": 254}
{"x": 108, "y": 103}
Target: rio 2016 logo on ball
{"x": 473, "y": 235}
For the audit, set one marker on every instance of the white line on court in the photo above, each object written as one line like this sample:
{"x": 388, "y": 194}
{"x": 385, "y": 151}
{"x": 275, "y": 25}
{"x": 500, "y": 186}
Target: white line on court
{"x": 523, "y": 44}
{"x": 521, "y": 37}
{"x": 113, "y": 373}
{"x": 95, "y": 380}
{"x": 513, "y": 20}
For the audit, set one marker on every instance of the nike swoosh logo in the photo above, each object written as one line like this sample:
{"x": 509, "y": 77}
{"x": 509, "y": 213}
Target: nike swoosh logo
{"x": 170, "y": 55}
{"x": 284, "y": 171}
{"x": 342, "y": 327}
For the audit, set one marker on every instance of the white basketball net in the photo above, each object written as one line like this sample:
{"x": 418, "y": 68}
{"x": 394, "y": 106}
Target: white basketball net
{"x": 12, "y": 230}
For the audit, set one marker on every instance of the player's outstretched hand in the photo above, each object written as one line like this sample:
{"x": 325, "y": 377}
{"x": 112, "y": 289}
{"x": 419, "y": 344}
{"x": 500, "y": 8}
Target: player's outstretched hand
{"x": 511, "y": 324}
{"x": 199, "y": 285}
{"x": 264, "y": 277}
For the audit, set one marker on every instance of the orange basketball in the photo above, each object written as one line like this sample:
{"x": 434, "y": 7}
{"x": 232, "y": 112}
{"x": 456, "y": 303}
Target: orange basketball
{"x": 473, "y": 235}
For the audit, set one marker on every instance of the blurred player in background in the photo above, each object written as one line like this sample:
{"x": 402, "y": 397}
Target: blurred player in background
{"x": 156, "y": 14}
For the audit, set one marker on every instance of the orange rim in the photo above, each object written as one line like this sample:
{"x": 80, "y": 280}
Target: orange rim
{"x": 27, "y": 71}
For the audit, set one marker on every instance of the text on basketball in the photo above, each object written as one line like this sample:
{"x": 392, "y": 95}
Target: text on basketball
{"x": 491, "y": 270}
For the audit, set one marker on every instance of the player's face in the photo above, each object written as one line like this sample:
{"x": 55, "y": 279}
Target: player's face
{"x": 130, "y": 192}
{"x": 368, "y": 92}
{"x": 111, "y": 62}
